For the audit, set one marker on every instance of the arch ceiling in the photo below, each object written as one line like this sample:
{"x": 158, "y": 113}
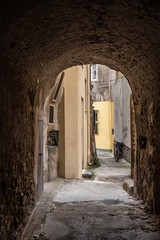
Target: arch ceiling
{"x": 40, "y": 39}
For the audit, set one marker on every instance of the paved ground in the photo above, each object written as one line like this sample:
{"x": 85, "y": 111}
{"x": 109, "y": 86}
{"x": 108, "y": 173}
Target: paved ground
{"x": 110, "y": 170}
{"x": 91, "y": 209}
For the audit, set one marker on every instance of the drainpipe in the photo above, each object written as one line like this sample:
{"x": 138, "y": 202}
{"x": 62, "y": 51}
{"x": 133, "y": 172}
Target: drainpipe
{"x": 88, "y": 112}
{"x": 109, "y": 90}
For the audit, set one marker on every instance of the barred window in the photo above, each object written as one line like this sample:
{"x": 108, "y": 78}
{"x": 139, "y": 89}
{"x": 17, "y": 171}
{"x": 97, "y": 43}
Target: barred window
{"x": 93, "y": 72}
{"x": 51, "y": 114}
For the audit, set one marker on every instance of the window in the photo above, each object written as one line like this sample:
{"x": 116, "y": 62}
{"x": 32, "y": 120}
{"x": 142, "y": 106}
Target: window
{"x": 95, "y": 120}
{"x": 51, "y": 114}
{"x": 96, "y": 128}
{"x": 96, "y": 116}
{"x": 93, "y": 72}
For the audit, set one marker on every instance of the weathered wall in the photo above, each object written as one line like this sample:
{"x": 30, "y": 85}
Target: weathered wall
{"x": 126, "y": 131}
{"x": 104, "y": 138}
{"x": 83, "y": 79}
{"x": 103, "y": 73}
{"x": 52, "y": 163}
{"x": 100, "y": 87}
{"x": 147, "y": 163}
{"x": 121, "y": 96}
{"x": 126, "y": 119}
{"x": 39, "y": 39}
{"x": 126, "y": 153}
{"x": 51, "y": 153}
{"x": 116, "y": 94}
{"x": 75, "y": 122}
{"x": 61, "y": 121}
{"x": 133, "y": 143}
{"x": 71, "y": 126}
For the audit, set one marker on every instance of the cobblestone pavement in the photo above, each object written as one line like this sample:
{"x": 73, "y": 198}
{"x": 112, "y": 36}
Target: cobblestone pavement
{"x": 86, "y": 209}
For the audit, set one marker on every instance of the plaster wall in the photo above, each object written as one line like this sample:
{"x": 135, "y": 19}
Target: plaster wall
{"x": 71, "y": 124}
{"x": 84, "y": 109}
{"x": 75, "y": 121}
{"x": 50, "y": 151}
{"x": 100, "y": 87}
{"x": 126, "y": 118}
{"x": 61, "y": 120}
{"x": 117, "y": 99}
{"x": 104, "y": 138}
{"x": 121, "y": 92}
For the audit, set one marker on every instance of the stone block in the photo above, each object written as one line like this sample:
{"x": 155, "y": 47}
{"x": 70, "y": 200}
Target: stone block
{"x": 128, "y": 186}
{"x": 86, "y": 173}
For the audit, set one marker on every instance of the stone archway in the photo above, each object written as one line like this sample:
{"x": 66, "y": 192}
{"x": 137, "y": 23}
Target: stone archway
{"x": 43, "y": 38}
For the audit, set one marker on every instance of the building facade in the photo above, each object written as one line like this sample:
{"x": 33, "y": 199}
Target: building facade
{"x": 103, "y": 111}
{"x": 103, "y": 107}
{"x": 121, "y": 94}
{"x": 68, "y": 126}
{"x": 111, "y": 101}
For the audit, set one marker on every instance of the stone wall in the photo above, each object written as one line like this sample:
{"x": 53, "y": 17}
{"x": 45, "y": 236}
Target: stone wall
{"x": 17, "y": 153}
{"x": 39, "y": 39}
{"x": 146, "y": 115}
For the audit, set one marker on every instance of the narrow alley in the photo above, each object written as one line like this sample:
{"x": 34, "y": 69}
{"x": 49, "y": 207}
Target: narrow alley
{"x": 47, "y": 121}
{"x": 91, "y": 209}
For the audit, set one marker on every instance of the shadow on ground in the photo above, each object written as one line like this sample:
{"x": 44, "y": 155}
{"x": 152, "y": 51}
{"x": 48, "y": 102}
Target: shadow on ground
{"x": 85, "y": 209}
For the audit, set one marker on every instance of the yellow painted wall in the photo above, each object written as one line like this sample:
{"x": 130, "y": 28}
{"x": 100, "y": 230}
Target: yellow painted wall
{"x": 75, "y": 144}
{"x": 104, "y": 138}
{"x": 61, "y": 154}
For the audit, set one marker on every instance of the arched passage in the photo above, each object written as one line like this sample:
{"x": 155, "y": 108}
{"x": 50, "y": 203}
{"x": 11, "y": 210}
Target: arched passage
{"x": 41, "y": 39}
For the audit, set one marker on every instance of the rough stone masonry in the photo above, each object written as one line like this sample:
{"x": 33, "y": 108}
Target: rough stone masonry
{"x": 39, "y": 39}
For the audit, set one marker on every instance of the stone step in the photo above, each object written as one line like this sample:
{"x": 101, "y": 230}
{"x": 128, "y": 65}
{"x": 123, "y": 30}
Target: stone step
{"x": 128, "y": 186}
{"x": 86, "y": 173}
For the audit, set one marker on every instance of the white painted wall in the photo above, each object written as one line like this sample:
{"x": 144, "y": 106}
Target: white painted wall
{"x": 126, "y": 128}
{"x": 121, "y": 92}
